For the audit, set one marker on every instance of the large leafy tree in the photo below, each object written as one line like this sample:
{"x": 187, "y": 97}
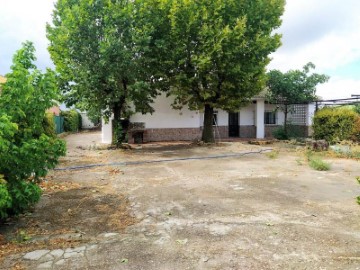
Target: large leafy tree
{"x": 27, "y": 150}
{"x": 99, "y": 49}
{"x": 219, "y": 51}
{"x": 293, "y": 87}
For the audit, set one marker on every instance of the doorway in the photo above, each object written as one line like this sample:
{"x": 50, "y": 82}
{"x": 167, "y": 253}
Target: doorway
{"x": 234, "y": 124}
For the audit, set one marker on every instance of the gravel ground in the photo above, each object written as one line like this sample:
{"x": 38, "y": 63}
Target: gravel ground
{"x": 256, "y": 211}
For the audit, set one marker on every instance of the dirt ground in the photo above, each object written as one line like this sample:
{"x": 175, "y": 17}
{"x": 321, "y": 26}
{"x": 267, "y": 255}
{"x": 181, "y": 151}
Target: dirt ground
{"x": 249, "y": 210}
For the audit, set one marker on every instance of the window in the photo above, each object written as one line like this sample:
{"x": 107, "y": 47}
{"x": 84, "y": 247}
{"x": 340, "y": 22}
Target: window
{"x": 270, "y": 118}
{"x": 215, "y": 118}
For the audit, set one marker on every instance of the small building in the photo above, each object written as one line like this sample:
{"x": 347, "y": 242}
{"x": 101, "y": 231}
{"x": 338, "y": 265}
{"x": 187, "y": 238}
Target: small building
{"x": 257, "y": 120}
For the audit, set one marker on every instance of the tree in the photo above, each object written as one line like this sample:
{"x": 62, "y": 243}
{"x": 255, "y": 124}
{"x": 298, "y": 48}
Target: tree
{"x": 219, "y": 51}
{"x": 293, "y": 87}
{"x": 27, "y": 152}
{"x": 98, "y": 49}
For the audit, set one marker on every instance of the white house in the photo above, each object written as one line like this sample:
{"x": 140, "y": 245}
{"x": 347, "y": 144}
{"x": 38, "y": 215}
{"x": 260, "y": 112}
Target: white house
{"x": 257, "y": 120}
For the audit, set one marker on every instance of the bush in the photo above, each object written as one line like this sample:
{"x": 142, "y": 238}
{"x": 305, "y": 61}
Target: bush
{"x": 72, "y": 120}
{"x": 26, "y": 194}
{"x": 334, "y": 124}
{"x": 356, "y": 130}
{"x": 49, "y": 125}
{"x": 79, "y": 121}
{"x": 293, "y": 132}
{"x": 5, "y": 198}
{"x": 357, "y": 108}
{"x": 28, "y": 147}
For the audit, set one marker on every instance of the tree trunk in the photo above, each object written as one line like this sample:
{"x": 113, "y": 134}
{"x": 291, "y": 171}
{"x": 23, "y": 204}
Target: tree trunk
{"x": 285, "y": 120}
{"x": 208, "y": 134}
{"x": 116, "y": 124}
{"x": 120, "y": 126}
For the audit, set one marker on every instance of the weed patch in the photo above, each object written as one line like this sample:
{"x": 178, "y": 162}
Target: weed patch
{"x": 316, "y": 162}
{"x": 273, "y": 154}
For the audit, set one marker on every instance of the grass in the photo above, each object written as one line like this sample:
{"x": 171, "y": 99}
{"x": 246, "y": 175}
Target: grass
{"x": 273, "y": 154}
{"x": 316, "y": 162}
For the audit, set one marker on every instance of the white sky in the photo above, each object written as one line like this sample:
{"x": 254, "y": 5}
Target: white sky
{"x": 325, "y": 32}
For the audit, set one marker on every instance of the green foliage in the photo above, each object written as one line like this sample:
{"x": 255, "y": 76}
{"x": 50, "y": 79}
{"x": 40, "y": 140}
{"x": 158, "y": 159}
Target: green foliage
{"x": 101, "y": 50}
{"x": 79, "y": 121}
{"x": 49, "y": 125}
{"x": 218, "y": 52}
{"x": 21, "y": 236}
{"x": 356, "y": 130}
{"x": 72, "y": 120}
{"x": 292, "y": 87}
{"x": 357, "y": 108}
{"x": 291, "y": 132}
{"x": 5, "y": 198}
{"x": 316, "y": 162}
{"x": 28, "y": 149}
{"x": 335, "y": 124}
{"x": 24, "y": 194}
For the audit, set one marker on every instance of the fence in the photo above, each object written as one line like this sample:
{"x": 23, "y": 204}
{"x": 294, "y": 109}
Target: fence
{"x": 59, "y": 124}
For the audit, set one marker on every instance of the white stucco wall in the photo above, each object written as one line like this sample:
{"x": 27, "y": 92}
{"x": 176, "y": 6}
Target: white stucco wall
{"x": 86, "y": 123}
{"x": 223, "y": 118}
{"x": 260, "y": 127}
{"x": 166, "y": 117}
{"x": 247, "y": 115}
{"x": 310, "y": 114}
{"x": 106, "y": 131}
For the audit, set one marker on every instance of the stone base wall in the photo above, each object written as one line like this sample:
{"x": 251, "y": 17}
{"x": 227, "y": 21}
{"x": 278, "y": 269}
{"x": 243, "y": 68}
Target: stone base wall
{"x": 247, "y": 131}
{"x": 171, "y": 134}
{"x": 222, "y": 131}
{"x": 269, "y": 130}
{"x": 191, "y": 134}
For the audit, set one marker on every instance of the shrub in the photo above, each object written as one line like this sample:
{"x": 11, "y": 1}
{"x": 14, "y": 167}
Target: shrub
{"x": 293, "y": 132}
{"x": 356, "y": 130}
{"x": 28, "y": 148}
{"x": 79, "y": 121}
{"x": 357, "y": 108}
{"x": 334, "y": 124}
{"x": 25, "y": 193}
{"x": 72, "y": 120}
{"x": 49, "y": 125}
{"x": 5, "y": 198}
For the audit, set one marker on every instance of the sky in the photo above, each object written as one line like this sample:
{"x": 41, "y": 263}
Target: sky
{"x": 325, "y": 32}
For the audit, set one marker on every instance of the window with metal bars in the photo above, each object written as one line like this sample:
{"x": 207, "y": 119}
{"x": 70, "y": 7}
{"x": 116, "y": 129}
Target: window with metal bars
{"x": 270, "y": 118}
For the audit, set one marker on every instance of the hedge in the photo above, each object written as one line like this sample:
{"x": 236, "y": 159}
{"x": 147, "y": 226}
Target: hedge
{"x": 49, "y": 125}
{"x": 72, "y": 120}
{"x": 336, "y": 124}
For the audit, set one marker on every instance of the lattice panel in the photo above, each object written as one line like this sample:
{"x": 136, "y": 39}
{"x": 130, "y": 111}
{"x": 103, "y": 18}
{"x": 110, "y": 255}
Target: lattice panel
{"x": 298, "y": 114}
